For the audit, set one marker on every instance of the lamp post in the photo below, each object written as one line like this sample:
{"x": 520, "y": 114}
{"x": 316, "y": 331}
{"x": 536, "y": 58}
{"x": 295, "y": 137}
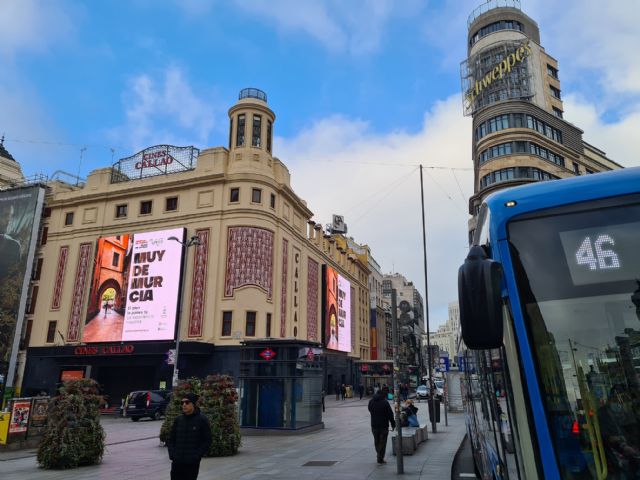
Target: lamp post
{"x": 194, "y": 240}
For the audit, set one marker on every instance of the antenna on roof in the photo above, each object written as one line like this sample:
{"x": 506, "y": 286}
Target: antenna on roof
{"x": 82, "y": 150}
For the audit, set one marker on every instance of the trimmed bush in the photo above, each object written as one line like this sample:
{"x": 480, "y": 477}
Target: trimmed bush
{"x": 218, "y": 402}
{"x": 73, "y": 436}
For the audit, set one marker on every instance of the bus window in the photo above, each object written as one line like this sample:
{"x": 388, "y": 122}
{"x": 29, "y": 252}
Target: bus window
{"x": 577, "y": 300}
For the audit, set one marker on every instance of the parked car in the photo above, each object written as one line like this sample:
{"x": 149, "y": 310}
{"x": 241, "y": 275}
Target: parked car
{"x": 147, "y": 403}
{"x": 439, "y": 389}
{"x": 422, "y": 392}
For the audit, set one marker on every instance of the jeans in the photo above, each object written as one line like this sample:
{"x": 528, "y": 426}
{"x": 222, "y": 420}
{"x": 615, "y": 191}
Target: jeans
{"x": 380, "y": 441}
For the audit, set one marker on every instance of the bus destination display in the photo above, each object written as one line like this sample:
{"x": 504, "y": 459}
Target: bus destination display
{"x": 603, "y": 254}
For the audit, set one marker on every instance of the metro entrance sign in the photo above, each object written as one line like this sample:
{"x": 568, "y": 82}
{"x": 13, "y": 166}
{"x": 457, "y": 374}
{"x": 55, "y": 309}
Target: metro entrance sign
{"x": 267, "y": 354}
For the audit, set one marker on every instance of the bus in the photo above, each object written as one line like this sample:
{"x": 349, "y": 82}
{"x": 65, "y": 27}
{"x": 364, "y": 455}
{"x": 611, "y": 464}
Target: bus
{"x": 550, "y": 323}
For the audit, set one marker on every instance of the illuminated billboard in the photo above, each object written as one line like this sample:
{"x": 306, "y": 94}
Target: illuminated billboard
{"x": 135, "y": 287}
{"x": 337, "y": 310}
{"x": 20, "y": 213}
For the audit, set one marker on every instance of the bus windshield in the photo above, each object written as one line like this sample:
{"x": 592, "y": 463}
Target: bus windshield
{"x": 578, "y": 276}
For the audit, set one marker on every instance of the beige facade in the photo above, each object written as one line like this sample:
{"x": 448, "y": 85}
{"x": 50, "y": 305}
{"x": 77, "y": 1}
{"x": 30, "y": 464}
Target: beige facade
{"x": 10, "y": 171}
{"x": 237, "y": 201}
{"x": 513, "y": 92}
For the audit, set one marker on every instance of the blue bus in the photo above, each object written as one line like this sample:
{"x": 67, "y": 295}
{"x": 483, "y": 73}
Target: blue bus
{"x": 550, "y": 320}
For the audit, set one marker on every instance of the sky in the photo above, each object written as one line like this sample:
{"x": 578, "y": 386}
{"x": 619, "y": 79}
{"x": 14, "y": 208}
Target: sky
{"x": 364, "y": 91}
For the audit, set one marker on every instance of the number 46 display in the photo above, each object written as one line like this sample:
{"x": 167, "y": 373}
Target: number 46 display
{"x": 602, "y": 259}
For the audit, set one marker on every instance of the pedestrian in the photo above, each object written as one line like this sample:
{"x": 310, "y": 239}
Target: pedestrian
{"x": 381, "y": 417}
{"x": 189, "y": 440}
{"x": 411, "y": 413}
{"x": 361, "y": 390}
{"x": 343, "y": 391}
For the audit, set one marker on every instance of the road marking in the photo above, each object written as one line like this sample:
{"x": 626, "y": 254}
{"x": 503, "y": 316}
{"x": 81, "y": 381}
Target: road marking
{"x": 468, "y": 475}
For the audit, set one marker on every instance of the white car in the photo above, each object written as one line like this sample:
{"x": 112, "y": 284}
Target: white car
{"x": 422, "y": 392}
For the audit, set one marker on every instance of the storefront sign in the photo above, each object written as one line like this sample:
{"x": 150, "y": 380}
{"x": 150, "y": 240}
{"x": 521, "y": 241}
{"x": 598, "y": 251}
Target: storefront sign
{"x": 104, "y": 350}
{"x": 20, "y": 416}
{"x": 68, "y": 375}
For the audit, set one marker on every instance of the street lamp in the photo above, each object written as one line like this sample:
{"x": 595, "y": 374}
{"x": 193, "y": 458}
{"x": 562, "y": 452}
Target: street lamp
{"x": 194, "y": 240}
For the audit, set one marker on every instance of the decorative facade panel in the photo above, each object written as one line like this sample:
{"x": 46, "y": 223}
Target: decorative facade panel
{"x": 57, "y": 286}
{"x": 249, "y": 259}
{"x": 198, "y": 286}
{"x": 79, "y": 288}
{"x": 283, "y": 294}
{"x": 312, "y": 300}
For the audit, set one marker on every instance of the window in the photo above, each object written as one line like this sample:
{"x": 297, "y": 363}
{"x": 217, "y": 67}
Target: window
{"x": 145, "y": 207}
{"x": 268, "y": 329}
{"x": 68, "y": 218}
{"x": 37, "y": 270}
{"x": 32, "y": 301}
{"x": 51, "y": 332}
{"x": 250, "y": 330}
{"x": 115, "y": 261}
{"x": 495, "y": 27}
{"x": 46, "y": 213}
{"x": 171, "y": 204}
{"x": 589, "y": 171}
{"x": 269, "y": 134}
{"x": 576, "y": 168}
{"x": 272, "y": 202}
{"x": 240, "y": 131}
{"x": 555, "y": 91}
{"x": 256, "y": 195}
{"x": 226, "y": 323}
{"x": 234, "y": 195}
{"x": 44, "y": 236}
{"x": 121, "y": 211}
{"x": 27, "y": 335}
{"x": 256, "y": 135}
{"x": 557, "y": 112}
{"x": 552, "y": 71}
{"x": 230, "y": 132}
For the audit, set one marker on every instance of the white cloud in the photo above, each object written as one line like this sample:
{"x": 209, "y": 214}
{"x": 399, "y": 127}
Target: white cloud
{"x": 29, "y": 25}
{"x": 357, "y": 27}
{"x": 166, "y": 110}
{"x": 339, "y": 166}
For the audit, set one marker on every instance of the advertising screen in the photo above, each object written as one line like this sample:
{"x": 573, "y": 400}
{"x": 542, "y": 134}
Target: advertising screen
{"x": 20, "y": 212}
{"x": 135, "y": 287}
{"x": 337, "y": 311}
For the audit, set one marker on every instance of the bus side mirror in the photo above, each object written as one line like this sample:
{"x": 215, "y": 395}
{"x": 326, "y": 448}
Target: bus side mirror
{"x": 480, "y": 300}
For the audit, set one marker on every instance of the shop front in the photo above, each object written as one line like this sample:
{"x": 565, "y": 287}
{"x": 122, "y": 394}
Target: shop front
{"x": 118, "y": 368}
{"x": 374, "y": 373}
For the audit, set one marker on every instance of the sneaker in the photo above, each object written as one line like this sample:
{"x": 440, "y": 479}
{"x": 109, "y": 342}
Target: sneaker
{"x": 381, "y": 461}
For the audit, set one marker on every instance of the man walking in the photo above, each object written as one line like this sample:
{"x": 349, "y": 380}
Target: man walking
{"x": 189, "y": 440}
{"x": 381, "y": 417}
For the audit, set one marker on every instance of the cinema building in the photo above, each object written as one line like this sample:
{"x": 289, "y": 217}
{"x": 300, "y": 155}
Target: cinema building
{"x": 212, "y": 244}
{"x": 511, "y": 88}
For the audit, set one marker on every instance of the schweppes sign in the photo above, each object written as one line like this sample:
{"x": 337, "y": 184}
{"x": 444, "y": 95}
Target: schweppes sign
{"x": 498, "y": 72}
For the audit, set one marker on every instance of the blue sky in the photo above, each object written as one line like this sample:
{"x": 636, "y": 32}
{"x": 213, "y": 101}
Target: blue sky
{"x": 363, "y": 91}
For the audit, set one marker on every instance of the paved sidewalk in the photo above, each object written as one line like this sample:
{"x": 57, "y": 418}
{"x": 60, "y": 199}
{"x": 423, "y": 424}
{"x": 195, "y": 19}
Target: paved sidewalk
{"x": 346, "y": 440}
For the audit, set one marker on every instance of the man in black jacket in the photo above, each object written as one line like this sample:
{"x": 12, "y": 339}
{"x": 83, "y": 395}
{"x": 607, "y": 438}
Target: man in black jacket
{"x": 381, "y": 417}
{"x": 189, "y": 441}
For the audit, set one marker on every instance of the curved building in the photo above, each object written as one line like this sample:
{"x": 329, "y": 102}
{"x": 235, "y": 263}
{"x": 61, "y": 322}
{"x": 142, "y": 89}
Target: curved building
{"x": 114, "y": 285}
{"x": 511, "y": 88}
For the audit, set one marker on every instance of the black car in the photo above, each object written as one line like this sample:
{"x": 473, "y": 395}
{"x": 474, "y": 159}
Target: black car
{"x": 147, "y": 403}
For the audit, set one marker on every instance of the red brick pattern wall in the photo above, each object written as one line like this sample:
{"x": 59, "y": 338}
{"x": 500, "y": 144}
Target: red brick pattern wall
{"x": 198, "y": 286}
{"x": 249, "y": 259}
{"x": 312, "y": 300}
{"x": 79, "y": 289}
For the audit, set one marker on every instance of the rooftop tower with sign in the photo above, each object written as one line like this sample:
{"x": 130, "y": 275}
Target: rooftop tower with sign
{"x": 511, "y": 88}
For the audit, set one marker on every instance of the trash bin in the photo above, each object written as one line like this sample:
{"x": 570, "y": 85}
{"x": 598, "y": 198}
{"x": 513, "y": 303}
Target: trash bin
{"x": 431, "y": 402}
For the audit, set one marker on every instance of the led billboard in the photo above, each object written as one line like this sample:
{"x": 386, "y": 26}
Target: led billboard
{"x": 135, "y": 287}
{"x": 20, "y": 213}
{"x": 337, "y": 310}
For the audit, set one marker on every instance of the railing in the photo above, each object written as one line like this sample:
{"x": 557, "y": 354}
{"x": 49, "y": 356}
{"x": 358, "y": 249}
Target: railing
{"x": 490, "y": 5}
{"x": 252, "y": 93}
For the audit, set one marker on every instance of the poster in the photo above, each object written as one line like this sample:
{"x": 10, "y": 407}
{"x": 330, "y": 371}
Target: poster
{"x": 19, "y": 416}
{"x": 337, "y": 314}
{"x": 40, "y": 412}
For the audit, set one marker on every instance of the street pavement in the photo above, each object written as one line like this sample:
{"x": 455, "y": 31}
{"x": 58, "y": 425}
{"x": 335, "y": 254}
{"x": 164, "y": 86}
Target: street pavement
{"x": 344, "y": 448}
